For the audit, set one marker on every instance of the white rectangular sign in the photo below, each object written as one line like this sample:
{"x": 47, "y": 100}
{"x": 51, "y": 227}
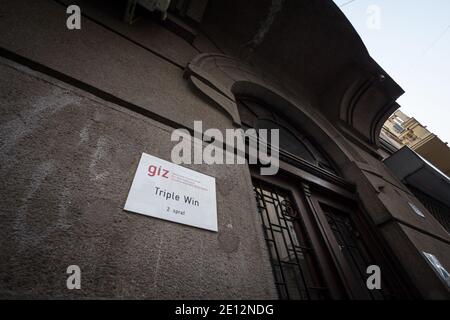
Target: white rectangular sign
{"x": 171, "y": 192}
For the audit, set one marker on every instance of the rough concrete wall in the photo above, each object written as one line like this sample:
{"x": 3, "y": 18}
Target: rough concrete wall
{"x": 107, "y": 61}
{"x": 67, "y": 162}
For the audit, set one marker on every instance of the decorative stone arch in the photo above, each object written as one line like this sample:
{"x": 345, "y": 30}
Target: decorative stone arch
{"x": 222, "y": 78}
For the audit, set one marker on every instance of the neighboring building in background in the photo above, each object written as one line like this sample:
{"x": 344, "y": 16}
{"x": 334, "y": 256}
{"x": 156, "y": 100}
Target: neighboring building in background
{"x": 421, "y": 161}
{"x": 401, "y": 130}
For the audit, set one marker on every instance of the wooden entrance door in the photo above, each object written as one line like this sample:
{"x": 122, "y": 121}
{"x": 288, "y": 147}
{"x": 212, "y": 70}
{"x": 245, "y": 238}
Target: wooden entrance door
{"x": 315, "y": 240}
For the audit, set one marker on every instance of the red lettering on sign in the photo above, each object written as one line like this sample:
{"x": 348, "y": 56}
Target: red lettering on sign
{"x": 156, "y": 171}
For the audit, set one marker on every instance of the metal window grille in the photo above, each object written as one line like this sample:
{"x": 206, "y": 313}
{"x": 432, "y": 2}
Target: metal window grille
{"x": 293, "y": 260}
{"x": 352, "y": 246}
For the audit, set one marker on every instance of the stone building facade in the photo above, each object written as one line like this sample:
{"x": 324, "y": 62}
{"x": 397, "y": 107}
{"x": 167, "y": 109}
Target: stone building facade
{"x": 402, "y": 130}
{"x": 79, "y": 107}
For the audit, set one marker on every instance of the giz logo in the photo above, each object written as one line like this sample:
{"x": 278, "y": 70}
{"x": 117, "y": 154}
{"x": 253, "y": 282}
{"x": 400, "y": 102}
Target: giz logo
{"x": 157, "y": 171}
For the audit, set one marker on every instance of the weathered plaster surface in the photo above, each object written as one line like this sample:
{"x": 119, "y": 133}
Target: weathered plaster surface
{"x": 67, "y": 164}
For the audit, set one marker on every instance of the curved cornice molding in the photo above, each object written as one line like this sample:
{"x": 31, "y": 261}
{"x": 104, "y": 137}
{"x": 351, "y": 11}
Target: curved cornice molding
{"x": 367, "y": 103}
{"x": 314, "y": 50}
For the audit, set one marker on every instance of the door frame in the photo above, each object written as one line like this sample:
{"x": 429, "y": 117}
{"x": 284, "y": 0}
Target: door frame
{"x": 326, "y": 263}
{"x": 308, "y": 191}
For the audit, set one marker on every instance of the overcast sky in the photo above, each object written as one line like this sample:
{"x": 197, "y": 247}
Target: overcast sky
{"x": 411, "y": 41}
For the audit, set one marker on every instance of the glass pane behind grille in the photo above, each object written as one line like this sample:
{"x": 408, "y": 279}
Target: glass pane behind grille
{"x": 293, "y": 261}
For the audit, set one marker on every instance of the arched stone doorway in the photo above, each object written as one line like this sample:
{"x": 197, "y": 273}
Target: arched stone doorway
{"x": 336, "y": 239}
{"x": 317, "y": 242}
